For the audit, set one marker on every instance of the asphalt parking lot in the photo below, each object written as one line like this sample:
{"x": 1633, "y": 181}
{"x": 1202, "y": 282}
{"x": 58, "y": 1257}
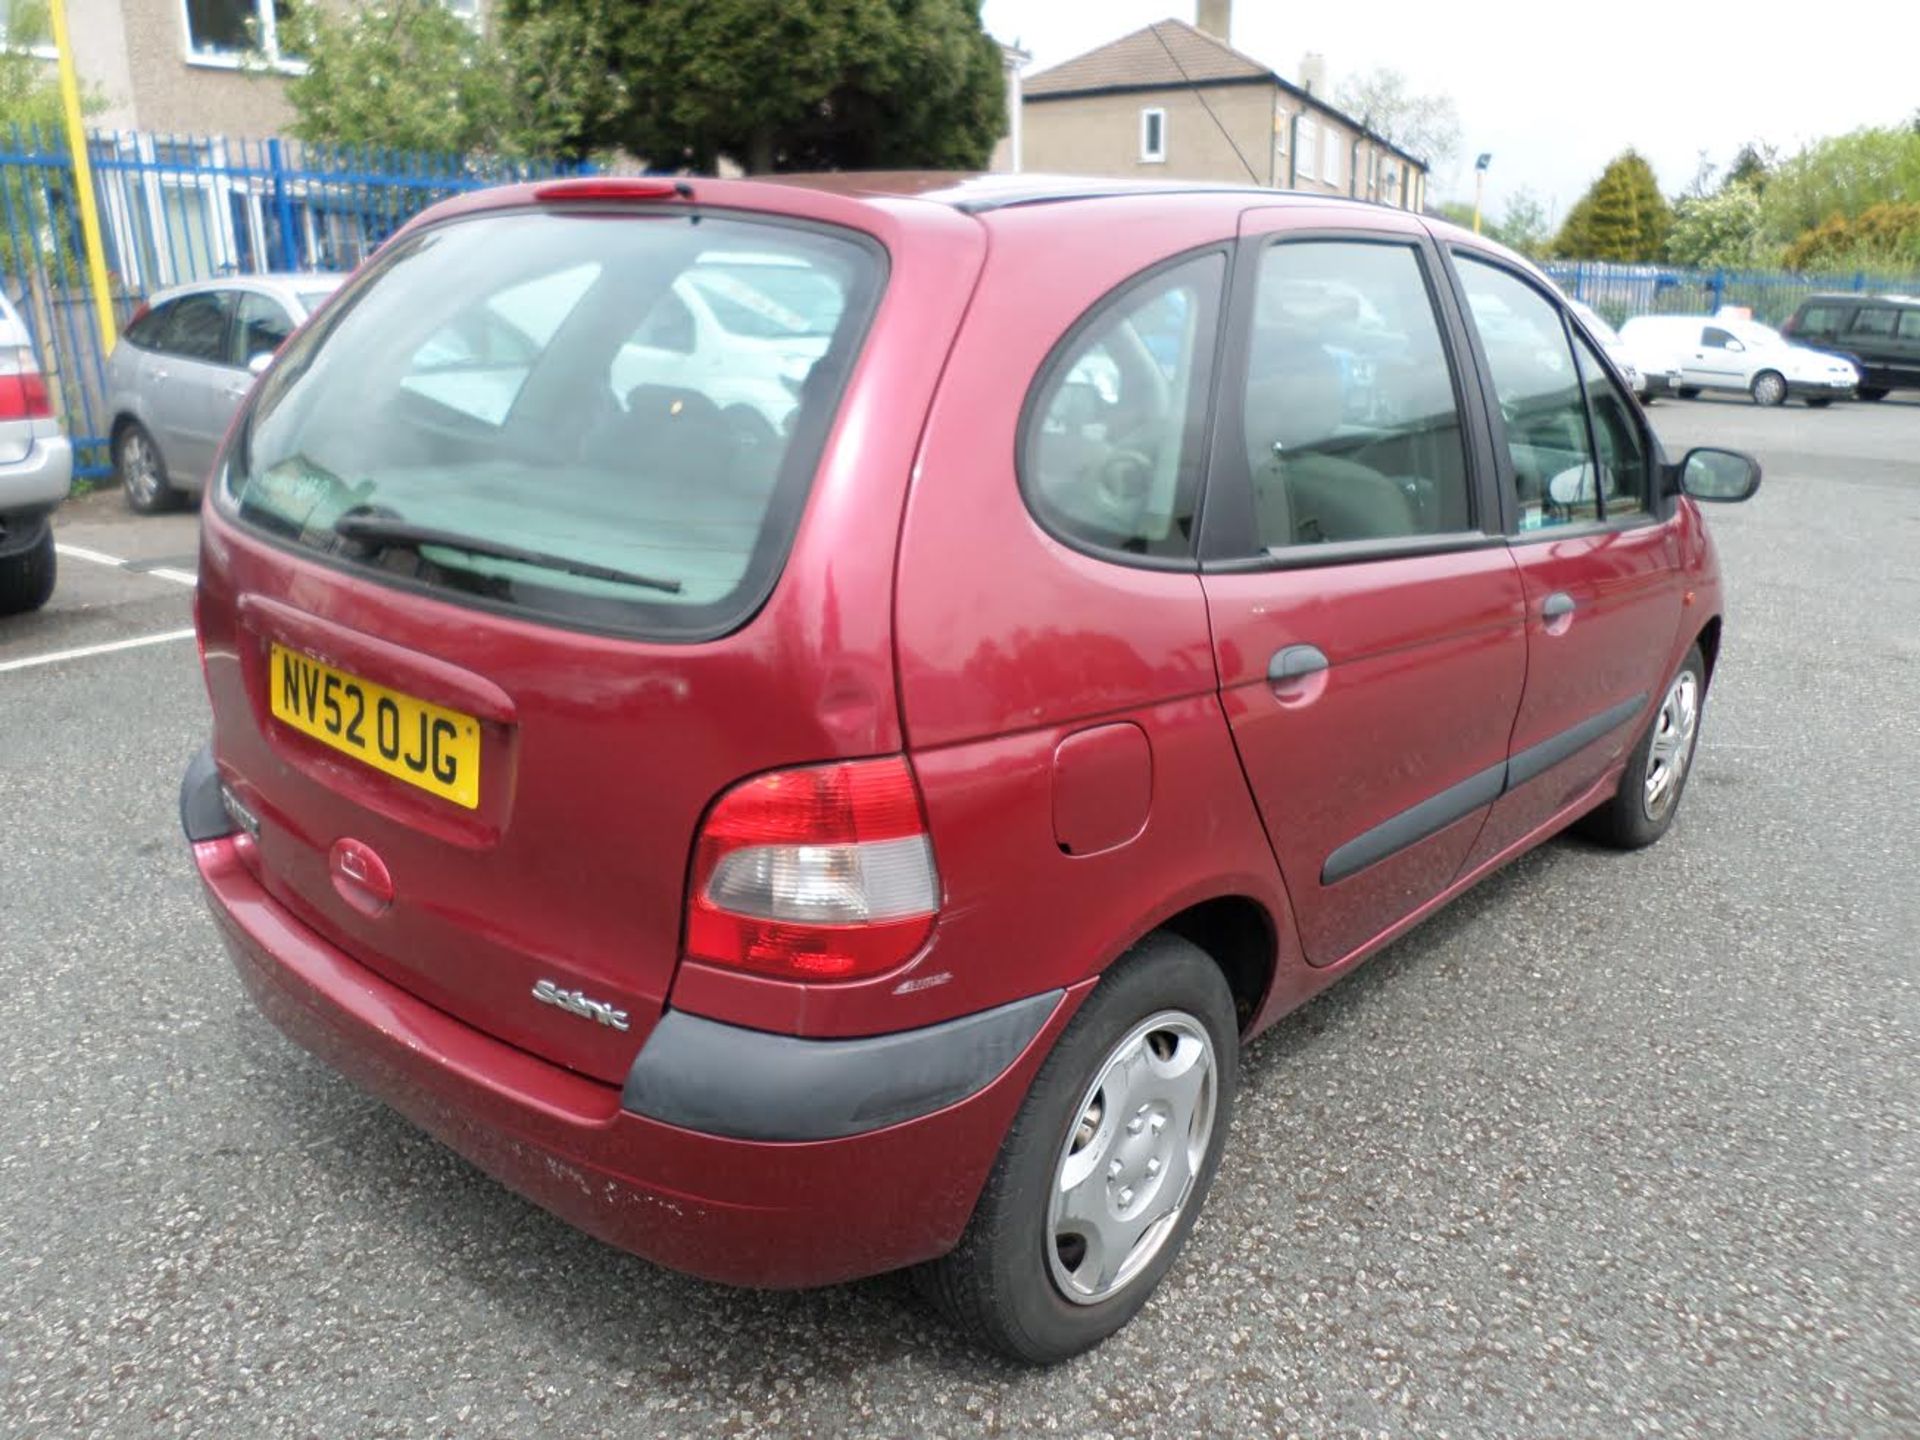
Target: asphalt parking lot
{"x": 1615, "y": 1146}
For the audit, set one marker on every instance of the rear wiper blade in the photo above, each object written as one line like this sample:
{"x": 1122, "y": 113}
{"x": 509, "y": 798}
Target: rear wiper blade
{"x": 386, "y": 531}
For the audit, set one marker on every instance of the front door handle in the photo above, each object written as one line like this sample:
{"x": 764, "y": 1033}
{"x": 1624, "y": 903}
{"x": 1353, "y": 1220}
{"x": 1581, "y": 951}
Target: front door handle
{"x": 1555, "y": 605}
{"x": 1295, "y": 662}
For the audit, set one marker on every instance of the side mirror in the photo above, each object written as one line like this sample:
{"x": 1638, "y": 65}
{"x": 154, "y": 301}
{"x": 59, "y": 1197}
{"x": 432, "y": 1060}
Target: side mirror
{"x": 260, "y": 362}
{"x": 1736, "y": 347}
{"x": 1720, "y": 476}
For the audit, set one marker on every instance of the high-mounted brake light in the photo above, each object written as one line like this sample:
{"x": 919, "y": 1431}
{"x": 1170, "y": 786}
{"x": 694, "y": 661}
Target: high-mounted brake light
{"x": 612, "y": 187}
{"x": 23, "y": 389}
{"x": 822, "y": 873}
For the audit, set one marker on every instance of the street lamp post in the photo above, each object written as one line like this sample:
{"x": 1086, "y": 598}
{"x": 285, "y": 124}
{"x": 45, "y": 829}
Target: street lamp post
{"x": 1480, "y": 185}
{"x": 82, "y": 176}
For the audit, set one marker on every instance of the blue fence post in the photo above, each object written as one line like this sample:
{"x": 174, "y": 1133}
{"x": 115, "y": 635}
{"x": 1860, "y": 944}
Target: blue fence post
{"x": 1717, "y": 290}
{"x": 289, "y": 256}
{"x": 1859, "y": 280}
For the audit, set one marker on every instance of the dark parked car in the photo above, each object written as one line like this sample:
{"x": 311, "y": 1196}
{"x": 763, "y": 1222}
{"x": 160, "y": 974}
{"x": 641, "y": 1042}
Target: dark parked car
{"x": 1879, "y": 333}
{"x": 796, "y": 852}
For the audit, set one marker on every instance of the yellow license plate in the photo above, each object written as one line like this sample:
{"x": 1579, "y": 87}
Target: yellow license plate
{"x": 422, "y": 744}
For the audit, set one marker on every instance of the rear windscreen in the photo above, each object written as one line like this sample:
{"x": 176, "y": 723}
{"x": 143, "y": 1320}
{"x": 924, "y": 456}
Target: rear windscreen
{"x": 608, "y": 420}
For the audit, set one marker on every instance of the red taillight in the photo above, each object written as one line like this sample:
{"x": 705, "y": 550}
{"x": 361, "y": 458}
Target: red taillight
{"x": 23, "y": 389}
{"x": 823, "y": 873}
{"x": 611, "y": 187}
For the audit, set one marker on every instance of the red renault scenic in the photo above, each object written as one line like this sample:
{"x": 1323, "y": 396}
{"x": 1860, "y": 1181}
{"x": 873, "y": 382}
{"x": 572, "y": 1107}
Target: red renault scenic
{"x": 801, "y": 725}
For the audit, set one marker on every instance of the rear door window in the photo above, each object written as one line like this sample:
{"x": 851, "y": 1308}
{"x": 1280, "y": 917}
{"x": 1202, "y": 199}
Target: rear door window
{"x": 196, "y": 328}
{"x": 1874, "y": 320}
{"x": 486, "y": 413}
{"x": 1822, "y": 320}
{"x": 1909, "y": 327}
{"x": 1349, "y": 416}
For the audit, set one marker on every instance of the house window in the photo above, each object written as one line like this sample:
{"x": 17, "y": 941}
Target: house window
{"x": 1153, "y": 136}
{"x": 1307, "y": 150}
{"x": 222, "y": 31}
{"x": 1335, "y": 144}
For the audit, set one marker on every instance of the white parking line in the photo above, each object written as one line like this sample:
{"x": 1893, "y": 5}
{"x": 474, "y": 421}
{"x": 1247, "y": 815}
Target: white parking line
{"x": 99, "y": 557}
{"x": 81, "y": 653}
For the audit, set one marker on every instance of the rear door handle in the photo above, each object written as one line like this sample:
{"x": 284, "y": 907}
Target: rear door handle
{"x": 1557, "y": 604}
{"x": 1295, "y": 662}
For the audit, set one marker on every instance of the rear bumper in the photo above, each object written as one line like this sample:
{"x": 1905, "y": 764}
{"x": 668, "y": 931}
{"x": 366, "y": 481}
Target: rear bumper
{"x": 40, "y": 479}
{"x": 739, "y": 1211}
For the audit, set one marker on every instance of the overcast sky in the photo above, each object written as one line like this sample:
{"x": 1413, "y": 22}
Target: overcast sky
{"x": 1555, "y": 91}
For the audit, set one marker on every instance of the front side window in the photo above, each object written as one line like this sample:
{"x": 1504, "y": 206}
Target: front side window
{"x": 196, "y": 328}
{"x": 1624, "y": 478}
{"x": 1351, "y": 426}
{"x": 1541, "y": 401}
{"x": 260, "y": 327}
{"x": 1153, "y": 135}
{"x": 1111, "y": 440}
{"x": 1714, "y": 338}
{"x": 479, "y": 415}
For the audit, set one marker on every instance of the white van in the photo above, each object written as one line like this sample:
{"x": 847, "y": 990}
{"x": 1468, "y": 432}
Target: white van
{"x": 1728, "y": 352}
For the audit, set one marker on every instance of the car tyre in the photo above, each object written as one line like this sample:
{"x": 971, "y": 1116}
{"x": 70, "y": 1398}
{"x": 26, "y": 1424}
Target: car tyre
{"x": 1872, "y": 392}
{"x": 1687, "y": 392}
{"x": 141, "y": 472}
{"x": 1640, "y": 811}
{"x": 1136, "y": 1095}
{"x": 1769, "y": 388}
{"x": 26, "y": 579}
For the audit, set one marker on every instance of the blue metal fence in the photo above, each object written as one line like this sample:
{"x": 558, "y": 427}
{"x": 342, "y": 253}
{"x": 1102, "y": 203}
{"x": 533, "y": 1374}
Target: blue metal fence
{"x": 1619, "y": 292}
{"x": 179, "y": 208}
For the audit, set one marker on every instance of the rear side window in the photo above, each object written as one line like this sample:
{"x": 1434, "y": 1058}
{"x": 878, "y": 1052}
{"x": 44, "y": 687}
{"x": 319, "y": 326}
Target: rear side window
{"x": 1349, "y": 417}
{"x": 1111, "y": 439}
{"x": 488, "y": 413}
{"x": 1910, "y": 325}
{"x": 1541, "y": 400}
{"x": 1873, "y": 320}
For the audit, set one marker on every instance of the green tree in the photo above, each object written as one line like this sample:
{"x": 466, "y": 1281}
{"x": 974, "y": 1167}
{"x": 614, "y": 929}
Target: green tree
{"x": 791, "y": 84}
{"x": 1622, "y": 217}
{"x": 411, "y": 75}
{"x": 1885, "y": 238}
{"x": 1721, "y": 229}
{"x": 1844, "y": 176}
{"x": 1424, "y": 125}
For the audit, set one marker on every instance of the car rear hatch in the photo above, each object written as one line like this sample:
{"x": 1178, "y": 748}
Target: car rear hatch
{"x": 485, "y": 593}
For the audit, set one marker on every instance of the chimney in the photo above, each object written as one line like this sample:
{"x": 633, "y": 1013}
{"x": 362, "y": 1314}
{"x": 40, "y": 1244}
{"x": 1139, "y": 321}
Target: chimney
{"x": 1216, "y": 18}
{"x": 1313, "y": 73}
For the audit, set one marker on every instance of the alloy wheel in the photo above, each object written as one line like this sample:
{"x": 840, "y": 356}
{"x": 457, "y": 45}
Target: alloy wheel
{"x": 139, "y": 468}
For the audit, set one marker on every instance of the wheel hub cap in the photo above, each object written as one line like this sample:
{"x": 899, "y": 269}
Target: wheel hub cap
{"x": 1672, "y": 749}
{"x": 1131, "y": 1157}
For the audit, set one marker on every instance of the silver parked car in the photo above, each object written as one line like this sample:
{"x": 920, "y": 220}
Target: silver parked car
{"x": 182, "y": 368}
{"x": 36, "y": 471}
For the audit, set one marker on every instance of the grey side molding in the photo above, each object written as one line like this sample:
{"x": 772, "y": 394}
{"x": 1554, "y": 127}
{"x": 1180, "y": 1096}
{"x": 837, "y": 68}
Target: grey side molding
{"x": 750, "y": 1085}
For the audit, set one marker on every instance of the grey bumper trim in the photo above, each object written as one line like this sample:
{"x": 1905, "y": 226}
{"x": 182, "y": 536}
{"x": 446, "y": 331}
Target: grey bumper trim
{"x": 203, "y": 814}
{"x": 750, "y": 1085}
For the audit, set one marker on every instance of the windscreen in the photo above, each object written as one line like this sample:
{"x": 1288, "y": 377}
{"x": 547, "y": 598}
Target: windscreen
{"x": 604, "y": 419}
